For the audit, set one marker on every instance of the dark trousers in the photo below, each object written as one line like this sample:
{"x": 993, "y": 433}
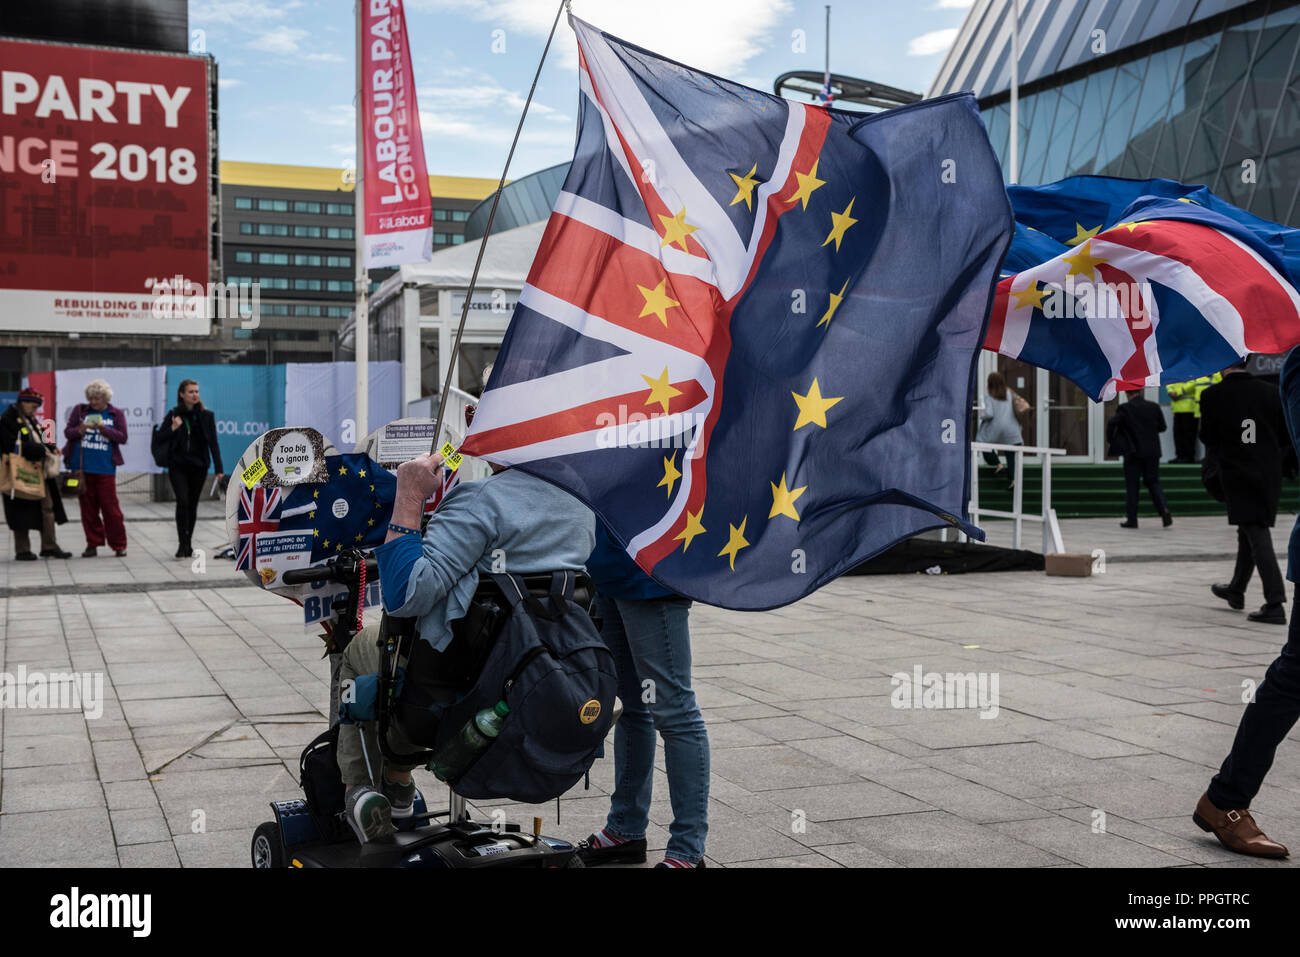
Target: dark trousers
{"x": 101, "y": 516}
{"x": 1255, "y": 550}
{"x": 991, "y": 458}
{"x": 187, "y": 483}
{"x": 1148, "y": 469}
{"x": 1185, "y": 427}
{"x": 1267, "y": 720}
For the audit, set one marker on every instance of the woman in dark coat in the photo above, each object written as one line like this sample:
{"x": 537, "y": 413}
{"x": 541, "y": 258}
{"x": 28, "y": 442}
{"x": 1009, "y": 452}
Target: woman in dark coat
{"x": 189, "y": 435}
{"x": 18, "y": 426}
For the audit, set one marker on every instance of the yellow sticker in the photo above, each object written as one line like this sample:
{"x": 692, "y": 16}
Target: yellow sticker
{"x": 450, "y": 457}
{"x": 24, "y": 430}
{"x": 254, "y": 472}
{"x": 589, "y": 712}
{"x": 72, "y": 483}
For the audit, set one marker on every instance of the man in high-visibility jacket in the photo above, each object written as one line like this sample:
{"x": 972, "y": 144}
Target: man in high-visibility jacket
{"x": 1185, "y": 402}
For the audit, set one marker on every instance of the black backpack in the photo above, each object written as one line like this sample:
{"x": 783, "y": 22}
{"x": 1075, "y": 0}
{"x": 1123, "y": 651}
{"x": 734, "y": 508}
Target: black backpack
{"x": 543, "y": 656}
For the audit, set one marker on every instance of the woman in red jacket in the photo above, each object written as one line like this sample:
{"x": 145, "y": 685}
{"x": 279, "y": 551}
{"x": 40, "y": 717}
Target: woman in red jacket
{"x": 95, "y": 431}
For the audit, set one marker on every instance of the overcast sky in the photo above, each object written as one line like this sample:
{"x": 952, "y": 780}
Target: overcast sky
{"x": 287, "y": 79}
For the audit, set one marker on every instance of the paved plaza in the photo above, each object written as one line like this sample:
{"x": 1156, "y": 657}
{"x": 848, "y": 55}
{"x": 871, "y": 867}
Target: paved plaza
{"x": 1118, "y": 696}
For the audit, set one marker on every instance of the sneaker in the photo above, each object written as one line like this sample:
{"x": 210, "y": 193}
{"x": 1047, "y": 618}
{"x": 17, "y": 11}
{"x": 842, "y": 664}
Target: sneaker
{"x": 596, "y": 850}
{"x": 673, "y": 862}
{"x": 1269, "y": 615}
{"x": 401, "y": 798}
{"x": 184, "y": 551}
{"x": 25, "y": 557}
{"x": 1132, "y": 524}
{"x": 368, "y": 813}
{"x": 90, "y": 552}
{"x": 120, "y": 552}
{"x": 1166, "y": 519}
{"x": 1235, "y": 599}
{"x": 55, "y": 552}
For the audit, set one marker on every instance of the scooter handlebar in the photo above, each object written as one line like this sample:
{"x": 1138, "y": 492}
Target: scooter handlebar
{"x": 324, "y": 573}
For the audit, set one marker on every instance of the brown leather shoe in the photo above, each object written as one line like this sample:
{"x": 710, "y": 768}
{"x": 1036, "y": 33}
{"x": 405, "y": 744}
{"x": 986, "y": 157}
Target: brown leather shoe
{"x": 1236, "y": 830}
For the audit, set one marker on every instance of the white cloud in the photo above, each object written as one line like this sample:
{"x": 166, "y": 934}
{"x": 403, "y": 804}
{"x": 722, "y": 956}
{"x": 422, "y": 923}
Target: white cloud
{"x": 477, "y": 96}
{"x": 227, "y": 82}
{"x": 241, "y": 13}
{"x": 282, "y": 40}
{"x": 953, "y": 5}
{"x": 715, "y": 35}
{"x": 928, "y": 44}
{"x": 324, "y": 57}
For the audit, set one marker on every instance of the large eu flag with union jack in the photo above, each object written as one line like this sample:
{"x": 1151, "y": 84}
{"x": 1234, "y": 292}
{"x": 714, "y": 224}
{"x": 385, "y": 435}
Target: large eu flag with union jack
{"x": 748, "y": 338}
{"x": 1120, "y": 284}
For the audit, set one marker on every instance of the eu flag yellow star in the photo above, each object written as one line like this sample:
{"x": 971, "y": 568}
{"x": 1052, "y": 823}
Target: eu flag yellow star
{"x": 783, "y": 499}
{"x": 676, "y": 229}
{"x": 1081, "y": 234}
{"x": 661, "y": 390}
{"x": 841, "y": 222}
{"x": 1031, "y": 296}
{"x": 812, "y": 407}
{"x": 744, "y": 188}
{"x": 343, "y": 470}
{"x": 693, "y": 528}
{"x": 1083, "y": 263}
{"x": 671, "y": 475}
{"x": 836, "y": 299}
{"x": 657, "y": 301}
{"x": 807, "y": 183}
{"x": 735, "y": 541}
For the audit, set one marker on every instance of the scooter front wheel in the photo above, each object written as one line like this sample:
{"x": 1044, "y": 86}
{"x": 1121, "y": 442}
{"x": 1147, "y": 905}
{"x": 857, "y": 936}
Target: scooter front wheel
{"x": 268, "y": 847}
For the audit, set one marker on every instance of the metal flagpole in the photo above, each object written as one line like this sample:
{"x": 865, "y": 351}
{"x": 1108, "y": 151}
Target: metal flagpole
{"x": 1014, "y": 150}
{"x": 826, "y": 76}
{"x": 487, "y": 233}
{"x": 361, "y": 321}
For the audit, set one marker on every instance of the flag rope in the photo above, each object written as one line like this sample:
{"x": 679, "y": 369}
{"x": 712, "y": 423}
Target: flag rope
{"x": 487, "y": 233}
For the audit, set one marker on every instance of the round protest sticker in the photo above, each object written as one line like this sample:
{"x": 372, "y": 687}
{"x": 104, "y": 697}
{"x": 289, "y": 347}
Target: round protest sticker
{"x": 340, "y": 507}
{"x": 292, "y": 456}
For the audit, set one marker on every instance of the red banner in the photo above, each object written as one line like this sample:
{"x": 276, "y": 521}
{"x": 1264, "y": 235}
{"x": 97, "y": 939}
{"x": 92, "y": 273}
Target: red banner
{"x": 398, "y": 217}
{"x": 104, "y": 186}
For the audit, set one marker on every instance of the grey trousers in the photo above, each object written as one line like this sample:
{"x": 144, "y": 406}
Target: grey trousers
{"x": 362, "y": 658}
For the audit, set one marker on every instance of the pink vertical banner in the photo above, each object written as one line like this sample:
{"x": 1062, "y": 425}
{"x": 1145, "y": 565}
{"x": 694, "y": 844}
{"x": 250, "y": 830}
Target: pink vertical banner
{"x": 398, "y": 218}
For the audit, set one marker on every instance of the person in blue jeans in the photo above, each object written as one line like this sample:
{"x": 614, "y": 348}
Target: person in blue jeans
{"x": 645, "y": 626}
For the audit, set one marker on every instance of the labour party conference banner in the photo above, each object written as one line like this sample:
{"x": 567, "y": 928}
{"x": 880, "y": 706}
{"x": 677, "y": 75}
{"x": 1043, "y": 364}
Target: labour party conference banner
{"x": 398, "y": 217}
{"x": 104, "y": 189}
{"x": 748, "y": 338}
{"x": 1121, "y": 284}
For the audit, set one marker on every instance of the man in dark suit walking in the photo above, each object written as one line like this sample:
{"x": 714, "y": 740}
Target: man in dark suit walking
{"x": 1242, "y": 428}
{"x": 1134, "y": 432}
{"x": 1224, "y": 808}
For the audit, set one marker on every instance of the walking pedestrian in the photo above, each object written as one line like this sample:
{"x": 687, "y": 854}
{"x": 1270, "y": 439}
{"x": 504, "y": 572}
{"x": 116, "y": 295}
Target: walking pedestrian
{"x": 1134, "y": 433}
{"x": 999, "y": 424}
{"x": 21, "y": 435}
{"x": 190, "y": 436}
{"x": 96, "y": 431}
{"x": 1224, "y": 809}
{"x": 1242, "y": 426}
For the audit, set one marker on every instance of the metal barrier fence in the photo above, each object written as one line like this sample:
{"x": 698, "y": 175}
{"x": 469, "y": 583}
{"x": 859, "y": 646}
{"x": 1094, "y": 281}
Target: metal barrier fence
{"x": 1046, "y": 517}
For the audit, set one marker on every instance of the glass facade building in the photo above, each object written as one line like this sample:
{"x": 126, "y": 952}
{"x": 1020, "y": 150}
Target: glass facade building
{"x": 1200, "y": 91}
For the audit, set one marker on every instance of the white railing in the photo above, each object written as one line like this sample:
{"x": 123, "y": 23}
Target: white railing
{"x": 1047, "y": 517}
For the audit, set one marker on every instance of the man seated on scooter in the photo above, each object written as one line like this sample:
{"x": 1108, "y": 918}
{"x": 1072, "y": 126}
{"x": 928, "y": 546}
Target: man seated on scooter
{"x": 509, "y": 517}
